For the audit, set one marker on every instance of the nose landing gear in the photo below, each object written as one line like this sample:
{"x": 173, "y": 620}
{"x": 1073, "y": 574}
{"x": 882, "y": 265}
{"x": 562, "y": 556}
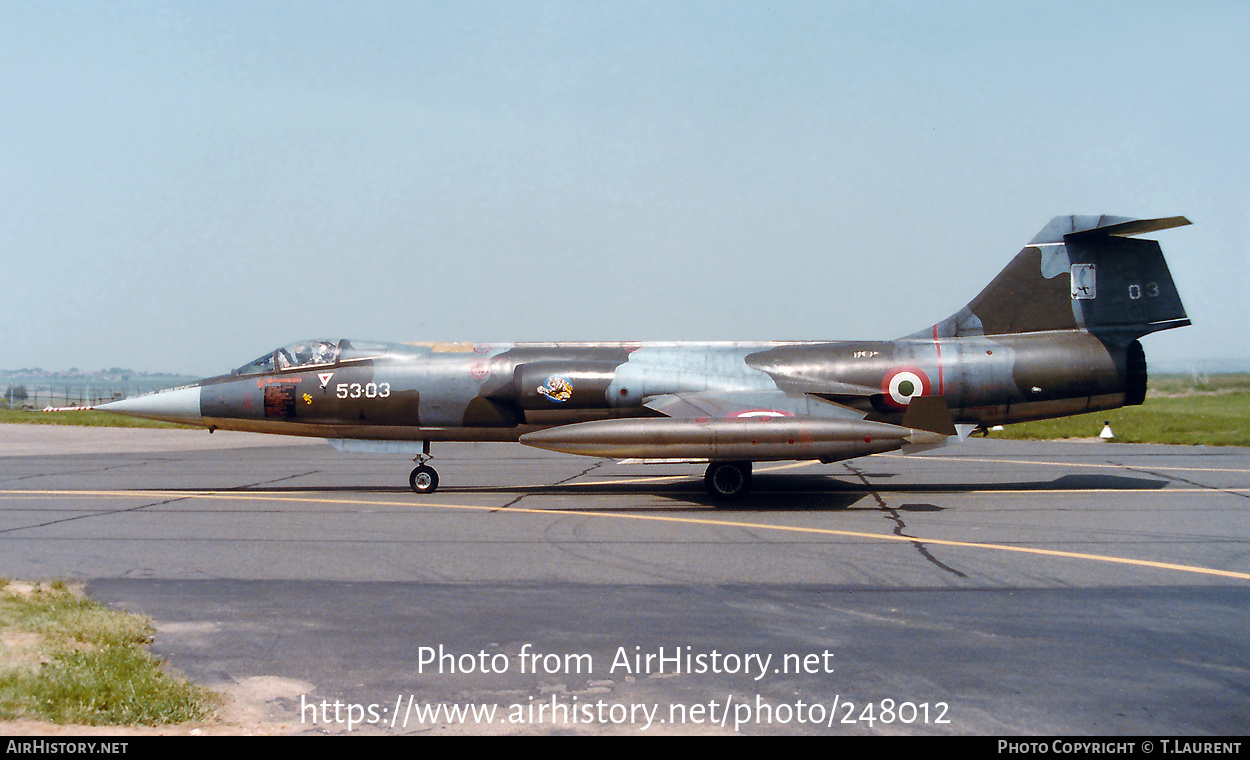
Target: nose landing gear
{"x": 424, "y": 479}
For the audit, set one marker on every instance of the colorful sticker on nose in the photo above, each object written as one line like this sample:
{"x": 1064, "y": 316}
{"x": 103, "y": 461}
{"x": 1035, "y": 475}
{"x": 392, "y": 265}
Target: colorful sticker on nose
{"x": 902, "y": 384}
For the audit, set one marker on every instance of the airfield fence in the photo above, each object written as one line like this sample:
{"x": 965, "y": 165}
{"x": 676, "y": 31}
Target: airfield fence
{"x": 42, "y": 396}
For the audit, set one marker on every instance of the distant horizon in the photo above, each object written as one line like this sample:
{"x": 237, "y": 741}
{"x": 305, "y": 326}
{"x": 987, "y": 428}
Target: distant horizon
{"x": 190, "y": 184}
{"x": 21, "y": 371}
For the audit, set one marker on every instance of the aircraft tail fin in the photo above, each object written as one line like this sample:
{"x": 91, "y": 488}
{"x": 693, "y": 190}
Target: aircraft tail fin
{"x": 1079, "y": 272}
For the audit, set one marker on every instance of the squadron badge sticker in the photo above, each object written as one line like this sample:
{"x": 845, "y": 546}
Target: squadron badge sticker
{"x": 1084, "y": 284}
{"x": 557, "y": 388}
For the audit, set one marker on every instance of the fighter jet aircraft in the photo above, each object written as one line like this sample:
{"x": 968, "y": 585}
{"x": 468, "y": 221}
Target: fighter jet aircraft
{"x": 1056, "y": 333}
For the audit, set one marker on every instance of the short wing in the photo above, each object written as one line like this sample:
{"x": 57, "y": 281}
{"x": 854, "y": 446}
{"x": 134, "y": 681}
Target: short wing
{"x": 748, "y": 405}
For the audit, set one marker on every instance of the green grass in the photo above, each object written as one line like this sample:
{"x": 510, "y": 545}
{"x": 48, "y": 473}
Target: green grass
{"x": 87, "y": 418}
{"x": 1161, "y": 385}
{"x": 71, "y": 660}
{"x": 1220, "y": 419}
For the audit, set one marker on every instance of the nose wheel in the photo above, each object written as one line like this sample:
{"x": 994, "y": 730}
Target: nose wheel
{"x": 424, "y": 479}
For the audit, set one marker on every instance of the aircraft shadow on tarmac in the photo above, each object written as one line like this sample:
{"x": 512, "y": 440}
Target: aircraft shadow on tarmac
{"x": 829, "y": 492}
{"x": 769, "y": 492}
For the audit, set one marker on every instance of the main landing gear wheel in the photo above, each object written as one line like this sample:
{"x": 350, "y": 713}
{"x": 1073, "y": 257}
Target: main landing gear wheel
{"x": 423, "y": 479}
{"x": 728, "y": 480}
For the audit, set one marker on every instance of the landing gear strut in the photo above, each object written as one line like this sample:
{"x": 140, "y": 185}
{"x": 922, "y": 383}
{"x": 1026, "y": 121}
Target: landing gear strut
{"x": 728, "y": 480}
{"x": 424, "y": 479}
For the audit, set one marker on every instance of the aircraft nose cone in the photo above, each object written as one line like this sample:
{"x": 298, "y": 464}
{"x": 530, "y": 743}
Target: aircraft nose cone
{"x": 174, "y": 405}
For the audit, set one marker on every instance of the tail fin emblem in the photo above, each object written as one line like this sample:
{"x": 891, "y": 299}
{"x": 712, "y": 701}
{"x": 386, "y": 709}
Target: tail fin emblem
{"x": 1084, "y": 284}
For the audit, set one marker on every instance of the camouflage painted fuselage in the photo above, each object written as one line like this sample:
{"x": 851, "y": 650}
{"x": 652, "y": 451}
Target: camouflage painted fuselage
{"x": 480, "y": 391}
{"x": 1056, "y": 333}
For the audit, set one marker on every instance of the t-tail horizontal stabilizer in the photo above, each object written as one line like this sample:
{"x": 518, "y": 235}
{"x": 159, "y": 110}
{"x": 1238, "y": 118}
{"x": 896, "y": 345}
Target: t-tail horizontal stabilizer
{"x": 1078, "y": 273}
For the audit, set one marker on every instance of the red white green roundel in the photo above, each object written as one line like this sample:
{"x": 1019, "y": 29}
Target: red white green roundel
{"x": 902, "y": 384}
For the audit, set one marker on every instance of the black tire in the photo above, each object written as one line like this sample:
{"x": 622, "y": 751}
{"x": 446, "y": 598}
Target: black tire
{"x": 423, "y": 480}
{"x": 728, "y": 480}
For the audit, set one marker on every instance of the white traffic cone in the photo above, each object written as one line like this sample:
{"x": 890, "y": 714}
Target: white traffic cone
{"x": 1106, "y": 433}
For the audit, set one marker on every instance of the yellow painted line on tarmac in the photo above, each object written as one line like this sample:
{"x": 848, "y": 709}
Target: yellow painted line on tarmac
{"x": 1064, "y": 463}
{"x": 236, "y": 495}
{"x": 1059, "y": 491}
{"x": 886, "y": 491}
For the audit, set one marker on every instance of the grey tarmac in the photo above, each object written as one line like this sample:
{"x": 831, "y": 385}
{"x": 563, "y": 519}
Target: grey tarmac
{"x": 1028, "y": 588}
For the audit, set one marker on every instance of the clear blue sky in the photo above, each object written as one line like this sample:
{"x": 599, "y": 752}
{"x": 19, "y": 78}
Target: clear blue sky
{"x": 188, "y": 184}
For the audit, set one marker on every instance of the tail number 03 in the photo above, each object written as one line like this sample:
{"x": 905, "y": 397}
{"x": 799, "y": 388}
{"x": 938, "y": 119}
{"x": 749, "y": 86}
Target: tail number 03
{"x": 368, "y": 390}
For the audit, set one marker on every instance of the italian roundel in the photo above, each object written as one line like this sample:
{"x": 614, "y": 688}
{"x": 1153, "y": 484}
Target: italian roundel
{"x": 902, "y": 384}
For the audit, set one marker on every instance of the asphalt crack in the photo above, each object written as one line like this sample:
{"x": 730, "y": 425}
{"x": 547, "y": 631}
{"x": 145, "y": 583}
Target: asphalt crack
{"x": 96, "y": 514}
{"x": 88, "y": 471}
{"x": 162, "y": 502}
{"x": 271, "y": 482}
{"x": 581, "y": 474}
{"x": 1179, "y": 479}
{"x": 899, "y": 526}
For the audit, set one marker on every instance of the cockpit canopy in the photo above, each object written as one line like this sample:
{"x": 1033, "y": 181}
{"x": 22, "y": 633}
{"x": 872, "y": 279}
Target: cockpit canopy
{"x": 304, "y": 353}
